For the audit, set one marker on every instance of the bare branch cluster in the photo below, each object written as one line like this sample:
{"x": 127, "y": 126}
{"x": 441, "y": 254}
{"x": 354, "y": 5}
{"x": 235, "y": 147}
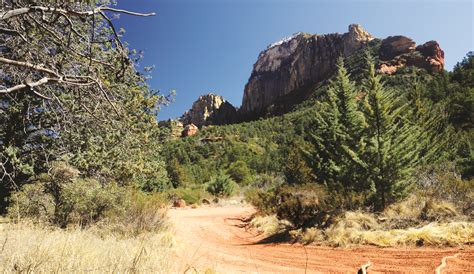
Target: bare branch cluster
{"x": 59, "y": 61}
{"x": 59, "y": 39}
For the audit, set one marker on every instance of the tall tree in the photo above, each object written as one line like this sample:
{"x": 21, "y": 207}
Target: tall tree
{"x": 69, "y": 90}
{"x": 396, "y": 143}
{"x": 338, "y": 141}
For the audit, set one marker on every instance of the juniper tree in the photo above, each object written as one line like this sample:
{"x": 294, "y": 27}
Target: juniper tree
{"x": 395, "y": 143}
{"x": 338, "y": 141}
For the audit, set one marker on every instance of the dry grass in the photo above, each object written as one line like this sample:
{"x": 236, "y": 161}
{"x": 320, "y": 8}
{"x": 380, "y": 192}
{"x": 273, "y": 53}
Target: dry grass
{"x": 33, "y": 248}
{"x": 408, "y": 223}
{"x": 434, "y": 234}
{"x": 269, "y": 225}
{"x": 310, "y": 235}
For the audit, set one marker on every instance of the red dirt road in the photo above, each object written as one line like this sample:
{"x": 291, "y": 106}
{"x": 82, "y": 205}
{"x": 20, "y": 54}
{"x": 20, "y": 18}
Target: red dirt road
{"x": 213, "y": 238}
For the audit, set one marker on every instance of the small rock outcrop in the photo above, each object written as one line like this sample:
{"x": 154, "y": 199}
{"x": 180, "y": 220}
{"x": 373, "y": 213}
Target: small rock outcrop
{"x": 296, "y": 64}
{"x": 399, "y": 51}
{"x": 189, "y": 130}
{"x": 210, "y": 109}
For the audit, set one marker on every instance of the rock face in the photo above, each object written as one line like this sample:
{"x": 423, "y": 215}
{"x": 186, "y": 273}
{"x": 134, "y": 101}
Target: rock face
{"x": 393, "y": 46}
{"x": 400, "y": 51}
{"x": 287, "y": 72}
{"x": 189, "y": 130}
{"x": 210, "y": 109}
{"x": 296, "y": 64}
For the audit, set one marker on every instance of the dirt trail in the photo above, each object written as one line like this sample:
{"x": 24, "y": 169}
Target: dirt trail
{"x": 214, "y": 238}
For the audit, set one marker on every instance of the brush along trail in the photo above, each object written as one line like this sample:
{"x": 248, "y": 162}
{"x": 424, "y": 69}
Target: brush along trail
{"x": 216, "y": 238}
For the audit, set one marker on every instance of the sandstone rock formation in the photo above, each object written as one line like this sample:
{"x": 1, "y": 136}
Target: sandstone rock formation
{"x": 393, "y": 46}
{"x": 189, "y": 130}
{"x": 399, "y": 51}
{"x": 297, "y": 64}
{"x": 210, "y": 109}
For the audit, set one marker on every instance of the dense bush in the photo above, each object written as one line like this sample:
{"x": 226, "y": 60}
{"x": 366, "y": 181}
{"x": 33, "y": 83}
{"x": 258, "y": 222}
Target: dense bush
{"x": 62, "y": 198}
{"x": 444, "y": 183}
{"x": 222, "y": 186}
{"x": 239, "y": 172}
{"x": 304, "y": 205}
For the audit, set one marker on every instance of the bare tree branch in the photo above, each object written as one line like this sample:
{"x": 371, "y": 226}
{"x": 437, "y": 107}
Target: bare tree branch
{"x": 20, "y": 11}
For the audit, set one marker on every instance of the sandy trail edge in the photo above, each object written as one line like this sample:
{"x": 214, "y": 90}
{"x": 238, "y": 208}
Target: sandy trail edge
{"x": 213, "y": 238}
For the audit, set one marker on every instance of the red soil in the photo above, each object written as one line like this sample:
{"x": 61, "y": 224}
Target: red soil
{"x": 215, "y": 238}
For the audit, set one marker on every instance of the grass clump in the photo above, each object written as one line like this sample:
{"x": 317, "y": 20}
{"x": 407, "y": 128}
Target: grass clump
{"x": 269, "y": 225}
{"x": 433, "y": 234}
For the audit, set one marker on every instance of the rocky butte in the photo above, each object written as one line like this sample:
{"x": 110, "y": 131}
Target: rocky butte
{"x": 210, "y": 109}
{"x": 287, "y": 72}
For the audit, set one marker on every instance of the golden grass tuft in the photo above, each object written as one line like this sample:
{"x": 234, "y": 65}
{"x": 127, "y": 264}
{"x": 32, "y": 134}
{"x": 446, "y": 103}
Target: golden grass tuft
{"x": 33, "y": 248}
{"x": 269, "y": 225}
{"x": 310, "y": 235}
{"x": 433, "y": 234}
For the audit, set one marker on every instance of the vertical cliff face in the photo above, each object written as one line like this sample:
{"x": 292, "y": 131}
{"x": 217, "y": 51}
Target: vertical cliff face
{"x": 296, "y": 64}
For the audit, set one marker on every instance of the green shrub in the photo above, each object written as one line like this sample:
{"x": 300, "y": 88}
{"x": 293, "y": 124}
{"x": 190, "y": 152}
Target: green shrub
{"x": 264, "y": 201}
{"x": 222, "y": 186}
{"x": 239, "y": 172}
{"x": 62, "y": 198}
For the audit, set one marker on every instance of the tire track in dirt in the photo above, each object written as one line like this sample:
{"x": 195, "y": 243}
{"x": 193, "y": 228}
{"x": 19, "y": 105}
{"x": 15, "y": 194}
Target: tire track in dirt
{"x": 214, "y": 238}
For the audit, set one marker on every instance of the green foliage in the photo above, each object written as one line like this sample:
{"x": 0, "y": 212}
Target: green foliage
{"x": 191, "y": 195}
{"x": 105, "y": 128}
{"x": 337, "y": 141}
{"x": 239, "y": 172}
{"x": 177, "y": 174}
{"x": 296, "y": 170}
{"x": 63, "y": 198}
{"x": 222, "y": 185}
{"x": 263, "y": 200}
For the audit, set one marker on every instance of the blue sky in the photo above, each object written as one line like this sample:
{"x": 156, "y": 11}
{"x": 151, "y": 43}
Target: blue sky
{"x": 202, "y": 46}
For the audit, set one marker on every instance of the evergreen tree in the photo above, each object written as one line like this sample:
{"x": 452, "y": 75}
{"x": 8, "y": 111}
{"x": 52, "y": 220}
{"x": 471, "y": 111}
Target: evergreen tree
{"x": 338, "y": 141}
{"x": 394, "y": 143}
